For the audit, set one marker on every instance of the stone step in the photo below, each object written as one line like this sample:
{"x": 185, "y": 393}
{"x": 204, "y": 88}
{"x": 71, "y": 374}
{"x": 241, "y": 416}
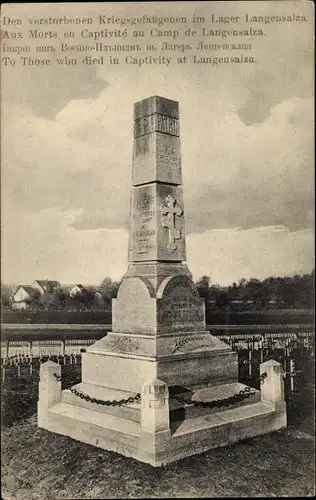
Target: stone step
{"x": 99, "y": 429}
{"x": 97, "y": 418}
{"x": 178, "y": 411}
{"x": 125, "y": 426}
{"x": 194, "y": 435}
{"x": 130, "y": 411}
{"x": 230, "y": 416}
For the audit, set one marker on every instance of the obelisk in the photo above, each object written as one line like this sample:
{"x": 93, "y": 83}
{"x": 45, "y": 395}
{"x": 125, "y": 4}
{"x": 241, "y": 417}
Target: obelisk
{"x": 132, "y": 379}
{"x": 158, "y": 325}
{"x": 157, "y": 231}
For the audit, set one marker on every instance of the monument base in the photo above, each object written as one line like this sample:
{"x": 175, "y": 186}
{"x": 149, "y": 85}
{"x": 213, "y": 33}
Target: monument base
{"x": 161, "y": 426}
{"x": 194, "y": 435}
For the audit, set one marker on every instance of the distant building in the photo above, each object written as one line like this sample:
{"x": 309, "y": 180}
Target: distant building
{"x": 40, "y": 294}
{"x": 49, "y": 294}
{"x": 77, "y": 291}
{"x": 24, "y": 297}
{"x": 46, "y": 286}
{"x": 48, "y": 290}
{"x": 90, "y": 295}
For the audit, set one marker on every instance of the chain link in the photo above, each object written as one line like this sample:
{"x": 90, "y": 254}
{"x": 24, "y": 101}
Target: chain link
{"x": 236, "y": 398}
{"x": 103, "y": 402}
{"x": 108, "y": 402}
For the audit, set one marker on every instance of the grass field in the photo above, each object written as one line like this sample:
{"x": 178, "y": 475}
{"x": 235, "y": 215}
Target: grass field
{"x": 216, "y": 317}
{"x": 37, "y": 464}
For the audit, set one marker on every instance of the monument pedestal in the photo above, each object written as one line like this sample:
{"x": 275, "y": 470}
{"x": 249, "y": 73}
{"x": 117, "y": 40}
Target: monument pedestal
{"x": 158, "y": 332}
{"x": 153, "y": 388}
{"x": 126, "y": 362}
{"x": 158, "y": 429}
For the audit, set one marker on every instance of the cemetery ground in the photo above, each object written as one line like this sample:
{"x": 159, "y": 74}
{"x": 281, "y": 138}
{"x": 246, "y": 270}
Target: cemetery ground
{"x": 39, "y": 464}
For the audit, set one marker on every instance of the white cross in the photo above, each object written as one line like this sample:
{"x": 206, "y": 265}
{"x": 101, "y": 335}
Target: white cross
{"x": 168, "y": 221}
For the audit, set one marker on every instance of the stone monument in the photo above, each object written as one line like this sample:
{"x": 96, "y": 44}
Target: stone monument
{"x": 145, "y": 384}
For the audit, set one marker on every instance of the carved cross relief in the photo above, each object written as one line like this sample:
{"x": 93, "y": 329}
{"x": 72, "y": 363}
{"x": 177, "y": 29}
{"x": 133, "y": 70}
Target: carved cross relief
{"x": 169, "y": 213}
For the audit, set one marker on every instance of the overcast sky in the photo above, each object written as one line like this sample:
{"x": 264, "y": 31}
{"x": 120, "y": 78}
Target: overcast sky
{"x": 247, "y": 154}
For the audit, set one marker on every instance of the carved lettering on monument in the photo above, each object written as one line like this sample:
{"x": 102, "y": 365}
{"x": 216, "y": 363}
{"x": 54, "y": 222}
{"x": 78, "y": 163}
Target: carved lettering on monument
{"x": 124, "y": 344}
{"x": 167, "y": 125}
{"x": 169, "y": 213}
{"x": 191, "y": 343}
{"x": 180, "y": 285}
{"x": 145, "y": 232}
{"x": 168, "y": 155}
{"x": 144, "y": 200}
{"x": 144, "y": 215}
{"x": 144, "y": 125}
{"x": 144, "y": 247}
{"x": 156, "y": 123}
{"x": 181, "y": 308}
{"x": 181, "y": 311}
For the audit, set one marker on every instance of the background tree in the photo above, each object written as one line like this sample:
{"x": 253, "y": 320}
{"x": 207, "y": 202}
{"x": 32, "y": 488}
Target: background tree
{"x": 203, "y": 285}
{"x": 274, "y": 292}
{"x": 222, "y": 299}
{"x": 109, "y": 289}
{"x": 214, "y": 291}
{"x": 88, "y": 298}
{"x": 242, "y": 283}
{"x": 6, "y": 293}
{"x": 62, "y": 297}
{"x": 77, "y": 301}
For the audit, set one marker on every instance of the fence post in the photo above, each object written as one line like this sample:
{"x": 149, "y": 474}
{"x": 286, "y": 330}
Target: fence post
{"x": 292, "y": 373}
{"x": 155, "y": 422}
{"x": 30, "y": 343}
{"x": 272, "y": 388}
{"x": 7, "y": 348}
{"x": 49, "y": 390}
{"x": 63, "y": 344}
{"x": 250, "y": 363}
